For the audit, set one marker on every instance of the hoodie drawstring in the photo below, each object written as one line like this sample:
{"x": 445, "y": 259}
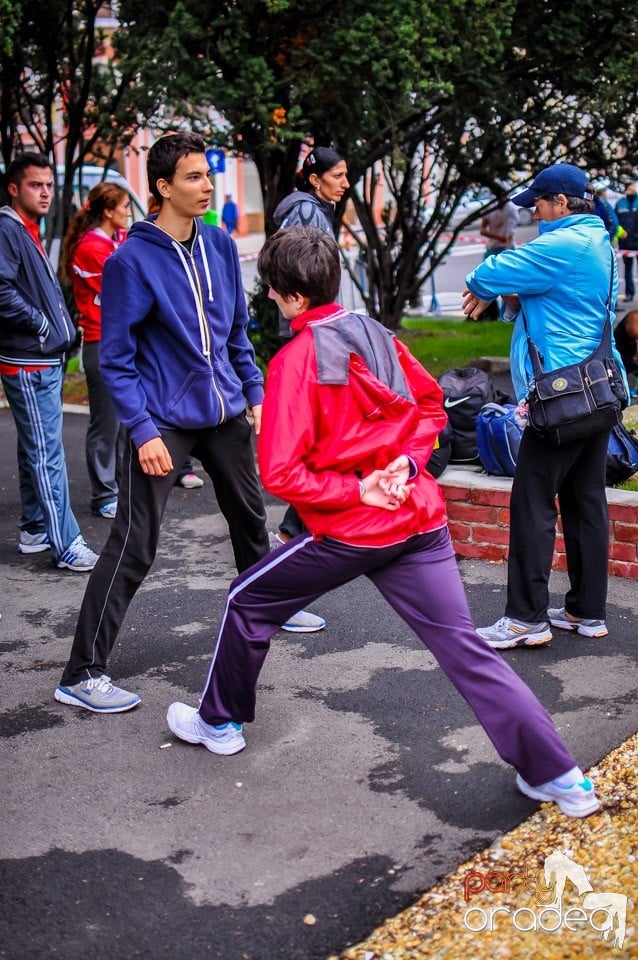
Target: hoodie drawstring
{"x": 203, "y": 330}
{"x": 206, "y": 268}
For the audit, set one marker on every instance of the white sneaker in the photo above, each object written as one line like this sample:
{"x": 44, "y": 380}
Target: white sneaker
{"x": 508, "y": 632}
{"x": 33, "y": 542}
{"x": 579, "y": 800}
{"x": 78, "y": 556}
{"x": 303, "y": 622}
{"x": 186, "y": 723}
{"x": 190, "y": 481}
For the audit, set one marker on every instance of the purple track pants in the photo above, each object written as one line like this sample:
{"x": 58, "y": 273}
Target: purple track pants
{"x": 420, "y": 580}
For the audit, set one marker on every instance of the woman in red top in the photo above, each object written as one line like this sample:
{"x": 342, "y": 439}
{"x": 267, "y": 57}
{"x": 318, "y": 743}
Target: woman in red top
{"x": 94, "y": 233}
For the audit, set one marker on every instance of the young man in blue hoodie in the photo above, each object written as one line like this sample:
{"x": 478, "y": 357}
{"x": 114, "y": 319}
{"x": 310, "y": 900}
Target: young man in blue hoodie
{"x": 177, "y": 360}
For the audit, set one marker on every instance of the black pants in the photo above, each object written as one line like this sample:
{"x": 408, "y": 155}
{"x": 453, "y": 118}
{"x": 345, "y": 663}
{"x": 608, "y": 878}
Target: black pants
{"x": 226, "y": 453}
{"x": 630, "y": 288}
{"x": 575, "y": 473}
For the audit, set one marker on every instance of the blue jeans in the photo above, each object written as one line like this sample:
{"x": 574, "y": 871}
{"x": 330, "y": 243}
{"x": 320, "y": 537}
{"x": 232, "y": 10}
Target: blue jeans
{"x": 35, "y": 399}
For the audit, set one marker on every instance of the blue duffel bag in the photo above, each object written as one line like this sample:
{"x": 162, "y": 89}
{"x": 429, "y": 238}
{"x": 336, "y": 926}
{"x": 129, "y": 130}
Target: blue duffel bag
{"x": 622, "y": 455}
{"x": 498, "y": 437}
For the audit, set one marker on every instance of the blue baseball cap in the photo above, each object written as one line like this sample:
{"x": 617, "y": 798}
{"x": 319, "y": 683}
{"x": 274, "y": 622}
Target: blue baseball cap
{"x": 559, "y": 178}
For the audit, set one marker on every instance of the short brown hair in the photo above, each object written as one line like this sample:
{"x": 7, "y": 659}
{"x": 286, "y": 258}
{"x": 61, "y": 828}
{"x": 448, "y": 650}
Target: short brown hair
{"x": 301, "y": 260}
{"x": 166, "y": 153}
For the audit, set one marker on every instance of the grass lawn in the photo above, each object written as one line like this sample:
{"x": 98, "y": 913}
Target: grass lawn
{"x": 443, "y": 344}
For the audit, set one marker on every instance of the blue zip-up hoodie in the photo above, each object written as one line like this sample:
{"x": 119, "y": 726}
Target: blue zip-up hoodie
{"x": 174, "y": 352}
{"x": 35, "y": 326}
{"x": 562, "y": 281}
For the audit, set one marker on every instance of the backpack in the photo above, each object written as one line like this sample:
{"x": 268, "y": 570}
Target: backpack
{"x": 622, "y": 454}
{"x": 498, "y": 437}
{"x": 465, "y": 391}
{"x": 441, "y": 453}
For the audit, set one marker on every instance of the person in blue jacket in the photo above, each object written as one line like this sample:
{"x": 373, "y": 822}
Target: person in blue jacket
{"x": 560, "y": 280}
{"x": 176, "y": 358}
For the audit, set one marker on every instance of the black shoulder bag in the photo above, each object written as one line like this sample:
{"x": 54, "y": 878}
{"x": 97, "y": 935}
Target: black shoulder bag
{"x": 581, "y": 399}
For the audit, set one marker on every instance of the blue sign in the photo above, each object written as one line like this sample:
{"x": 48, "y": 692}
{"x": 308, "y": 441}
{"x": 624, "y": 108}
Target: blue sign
{"x": 216, "y": 160}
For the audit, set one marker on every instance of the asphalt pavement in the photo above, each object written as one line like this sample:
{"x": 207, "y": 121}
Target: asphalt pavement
{"x": 365, "y": 779}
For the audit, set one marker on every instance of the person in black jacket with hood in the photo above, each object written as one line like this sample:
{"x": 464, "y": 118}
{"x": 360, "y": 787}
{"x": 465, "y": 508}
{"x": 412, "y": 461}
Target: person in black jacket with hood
{"x": 321, "y": 183}
{"x": 35, "y": 333}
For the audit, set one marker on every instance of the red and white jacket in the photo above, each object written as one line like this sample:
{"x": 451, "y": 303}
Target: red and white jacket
{"x": 343, "y": 398}
{"x": 93, "y": 249}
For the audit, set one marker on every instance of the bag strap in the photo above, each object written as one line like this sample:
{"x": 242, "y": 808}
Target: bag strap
{"x": 535, "y": 356}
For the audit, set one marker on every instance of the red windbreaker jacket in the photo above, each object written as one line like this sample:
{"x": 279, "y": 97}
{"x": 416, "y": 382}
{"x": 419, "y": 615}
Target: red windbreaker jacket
{"x": 343, "y": 398}
{"x": 92, "y": 251}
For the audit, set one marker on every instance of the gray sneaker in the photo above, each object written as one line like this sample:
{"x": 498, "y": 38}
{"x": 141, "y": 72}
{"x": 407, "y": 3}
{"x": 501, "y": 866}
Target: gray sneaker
{"x": 558, "y": 617}
{"x": 97, "y": 694}
{"x": 508, "y": 632}
{"x": 33, "y": 542}
{"x": 78, "y": 556}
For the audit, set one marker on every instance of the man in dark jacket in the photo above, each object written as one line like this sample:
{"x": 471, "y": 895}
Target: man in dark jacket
{"x": 35, "y": 332}
{"x": 176, "y": 358}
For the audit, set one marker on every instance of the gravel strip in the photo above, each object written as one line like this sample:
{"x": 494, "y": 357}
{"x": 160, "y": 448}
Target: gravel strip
{"x": 600, "y": 855}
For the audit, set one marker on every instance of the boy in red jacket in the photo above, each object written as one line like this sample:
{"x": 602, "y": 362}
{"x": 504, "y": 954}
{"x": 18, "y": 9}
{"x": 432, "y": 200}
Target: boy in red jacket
{"x": 349, "y": 422}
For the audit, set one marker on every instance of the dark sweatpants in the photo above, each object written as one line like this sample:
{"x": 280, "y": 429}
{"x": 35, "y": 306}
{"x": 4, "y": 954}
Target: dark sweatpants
{"x": 420, "y": 580}
{"x": 227, "y": 456}
{"x": 576, "y": 473}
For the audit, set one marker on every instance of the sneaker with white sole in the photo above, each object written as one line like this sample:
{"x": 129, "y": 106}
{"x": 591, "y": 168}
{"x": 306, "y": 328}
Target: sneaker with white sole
{"x": 578, "y": 800}
{"x": 190, "y": 481}
{"x": 508, "y": 632}
{"x": 303, "y": 622}
{"x": 558, "y": 617}
{"x": 186, "y": 723}
{"x": 97, "y": 694}
{"x": 33, "y": 542}
{"x": 78, "y": 556}
{"x": 106, "y": 510}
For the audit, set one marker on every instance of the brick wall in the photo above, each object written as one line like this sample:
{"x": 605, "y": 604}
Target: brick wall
{"x": 478, "y": 512}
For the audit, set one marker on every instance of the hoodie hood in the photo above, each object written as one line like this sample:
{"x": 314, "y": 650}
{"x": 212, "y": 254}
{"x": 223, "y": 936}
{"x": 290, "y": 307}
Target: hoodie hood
{"x": 304, "y": 209}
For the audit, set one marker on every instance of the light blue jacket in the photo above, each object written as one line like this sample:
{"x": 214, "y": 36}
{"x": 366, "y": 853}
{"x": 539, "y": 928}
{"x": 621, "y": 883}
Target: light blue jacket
{"x": 562, "y": 281}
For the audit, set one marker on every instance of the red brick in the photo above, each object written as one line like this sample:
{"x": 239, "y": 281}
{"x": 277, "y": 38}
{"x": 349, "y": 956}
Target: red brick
{"x": 560, "y": 562}
{"x": 559, "y": 544}
{"x": 484, "y": 534}
{"x": 504, "y": 517}
{"x": 619, "y": 568}
{"x": 626, "y": 532}
{"x": 471, "y": 513}
{"x": 455, "y": 493}
{"x": 481, "y": 551}
{"x": 623, "y": 511}
{"x": 491, "y": 498}
{"x": 623, "y": 551}
{"x": 459, "y": 531}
